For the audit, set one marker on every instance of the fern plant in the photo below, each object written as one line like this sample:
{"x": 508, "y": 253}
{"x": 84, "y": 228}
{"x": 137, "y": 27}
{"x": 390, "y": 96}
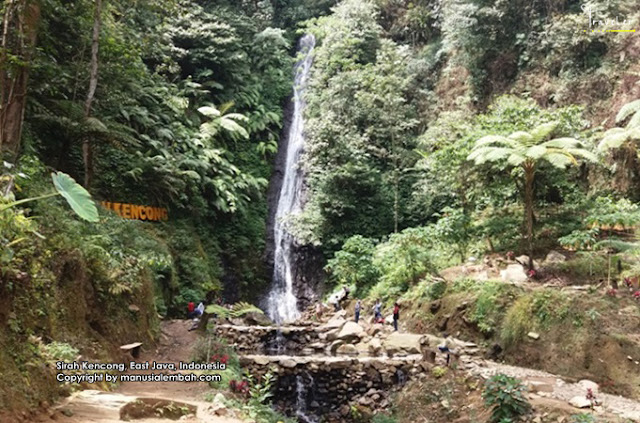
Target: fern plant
{"x": 627, "y": 136}
{"x": 505, "y": 396}
{"x": 237, "y": 310}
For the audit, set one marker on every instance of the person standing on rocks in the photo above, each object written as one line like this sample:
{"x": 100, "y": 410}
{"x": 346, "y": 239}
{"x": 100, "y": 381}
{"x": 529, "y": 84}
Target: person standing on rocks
{"x": 396, "y": 316}
{"x": 445, "y": 346}
{"x": 358, "y": 307}
{"x": 377, "y": 311}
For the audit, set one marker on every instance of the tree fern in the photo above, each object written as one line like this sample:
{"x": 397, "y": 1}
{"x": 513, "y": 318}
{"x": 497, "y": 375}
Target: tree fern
{"x": 526, "y": 150}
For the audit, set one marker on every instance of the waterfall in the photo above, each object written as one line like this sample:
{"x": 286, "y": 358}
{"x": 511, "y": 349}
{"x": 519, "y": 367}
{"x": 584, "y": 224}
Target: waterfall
{"x": 281, "y": 302}
{"x": 304, "y": 383}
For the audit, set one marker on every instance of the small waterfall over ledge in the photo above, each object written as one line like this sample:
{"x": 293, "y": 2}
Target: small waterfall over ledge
{"x": 282, "y": 304}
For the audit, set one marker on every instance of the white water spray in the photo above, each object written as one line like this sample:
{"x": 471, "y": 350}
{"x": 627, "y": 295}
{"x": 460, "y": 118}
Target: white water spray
{"x": 304, "y": 383}
{"x": 282, "y": 304}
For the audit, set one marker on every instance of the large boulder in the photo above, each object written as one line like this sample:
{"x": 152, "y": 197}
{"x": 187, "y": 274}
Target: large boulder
{"x": 333, "y": 323}
{"x": 403, "y": 342}
{"x": 350, "y": 332}
{"x": 514, "y": 273}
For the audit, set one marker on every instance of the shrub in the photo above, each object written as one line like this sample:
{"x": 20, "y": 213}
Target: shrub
{"x": 383, "y": 418}
{"x": 212, "y": 349}
{"x": 353, "y": 265}
{"x": 438, "y": 372}
{"x": 489, "y": 305}
{"x": 582, "y": 418}
{"x": 60, "y": 351}
{"x": 505, "y": 396}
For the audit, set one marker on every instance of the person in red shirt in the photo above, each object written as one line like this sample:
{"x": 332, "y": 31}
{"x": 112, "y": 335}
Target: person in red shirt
{"x": 190, "y": 308}
{"x": 396, "y": 315}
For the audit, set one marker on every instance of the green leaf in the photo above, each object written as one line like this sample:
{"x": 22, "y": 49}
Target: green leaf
{"x": 613, "y": 138}
{"x": 233, "y": 127}
{"x": 78, "y": 198}
{"x": 627, "y": 110}
{"x": 541, "y": 132}
{"x": 210, "y": 111}
{"x": 536, "y": 152}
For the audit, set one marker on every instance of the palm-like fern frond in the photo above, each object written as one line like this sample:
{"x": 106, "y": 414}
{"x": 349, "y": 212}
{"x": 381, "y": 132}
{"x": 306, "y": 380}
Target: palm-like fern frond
{"x": 617, "y": 245}
{"x": 237, "y": 310}
{"x": 542, "y": 132}
{"x": 630, "y": 109}
{"x": 618, "y": 137}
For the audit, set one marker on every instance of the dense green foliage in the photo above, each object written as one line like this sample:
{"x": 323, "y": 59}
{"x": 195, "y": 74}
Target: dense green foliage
{"x": 436, "y": 131}
{"x": 187, "y": 113}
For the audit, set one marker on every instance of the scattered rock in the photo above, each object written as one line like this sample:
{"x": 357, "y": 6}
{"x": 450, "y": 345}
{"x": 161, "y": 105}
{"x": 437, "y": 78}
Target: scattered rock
{"x": 333, "y": 348}
{"x": 587, "y": 384}
{"x": 262, "y": 360}
{"x": 374, "y": 329}
{"x": 347, "y": 349}
{"x": 289, "y": 363}
{"x": 345, "y": 410}
{"x": 255, "y": 318}
{"x": 539, "y": 386}
{"x": 580, "y": 402}
{"x": 524, "y": 261}
{"x": 554, "y": 257}
{"x": 533, "y": 335}
{"x": 219, "y": 398}
{"x": 375, "y": 346}
{"x": 220, "y": 410}
{"x": 514, "y": 273}
{"x": 332, "y": 335}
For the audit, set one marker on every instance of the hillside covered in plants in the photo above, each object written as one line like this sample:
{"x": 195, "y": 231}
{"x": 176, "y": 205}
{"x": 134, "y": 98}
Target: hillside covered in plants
{"x": 475, "y": 161}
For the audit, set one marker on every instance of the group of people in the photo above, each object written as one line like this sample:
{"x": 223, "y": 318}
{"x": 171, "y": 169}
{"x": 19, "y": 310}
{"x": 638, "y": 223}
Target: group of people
{"x": 194, "y": 312}
{"x": 446, "y": 347}
{"x": 377, "y": 313}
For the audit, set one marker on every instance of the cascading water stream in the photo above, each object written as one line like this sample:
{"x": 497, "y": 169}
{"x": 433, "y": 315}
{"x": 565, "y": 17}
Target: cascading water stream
{"x": 304, "y": 384}
{"x": 281, "y": 302}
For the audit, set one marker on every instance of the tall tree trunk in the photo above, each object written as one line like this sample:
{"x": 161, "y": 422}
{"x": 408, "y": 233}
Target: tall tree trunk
{"x": 529, "y": 174}
{"x": 87, "y": 150}
{"x": 19, "y": 33}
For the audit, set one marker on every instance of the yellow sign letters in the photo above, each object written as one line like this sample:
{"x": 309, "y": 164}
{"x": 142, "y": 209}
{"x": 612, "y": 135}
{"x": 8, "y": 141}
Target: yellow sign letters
{"x": 132, "y": 211}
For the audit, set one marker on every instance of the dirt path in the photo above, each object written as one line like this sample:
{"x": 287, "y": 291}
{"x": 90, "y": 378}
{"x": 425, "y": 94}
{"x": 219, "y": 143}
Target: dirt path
{"x": 104, "y": 407}
{"x": 545, "y": 386}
